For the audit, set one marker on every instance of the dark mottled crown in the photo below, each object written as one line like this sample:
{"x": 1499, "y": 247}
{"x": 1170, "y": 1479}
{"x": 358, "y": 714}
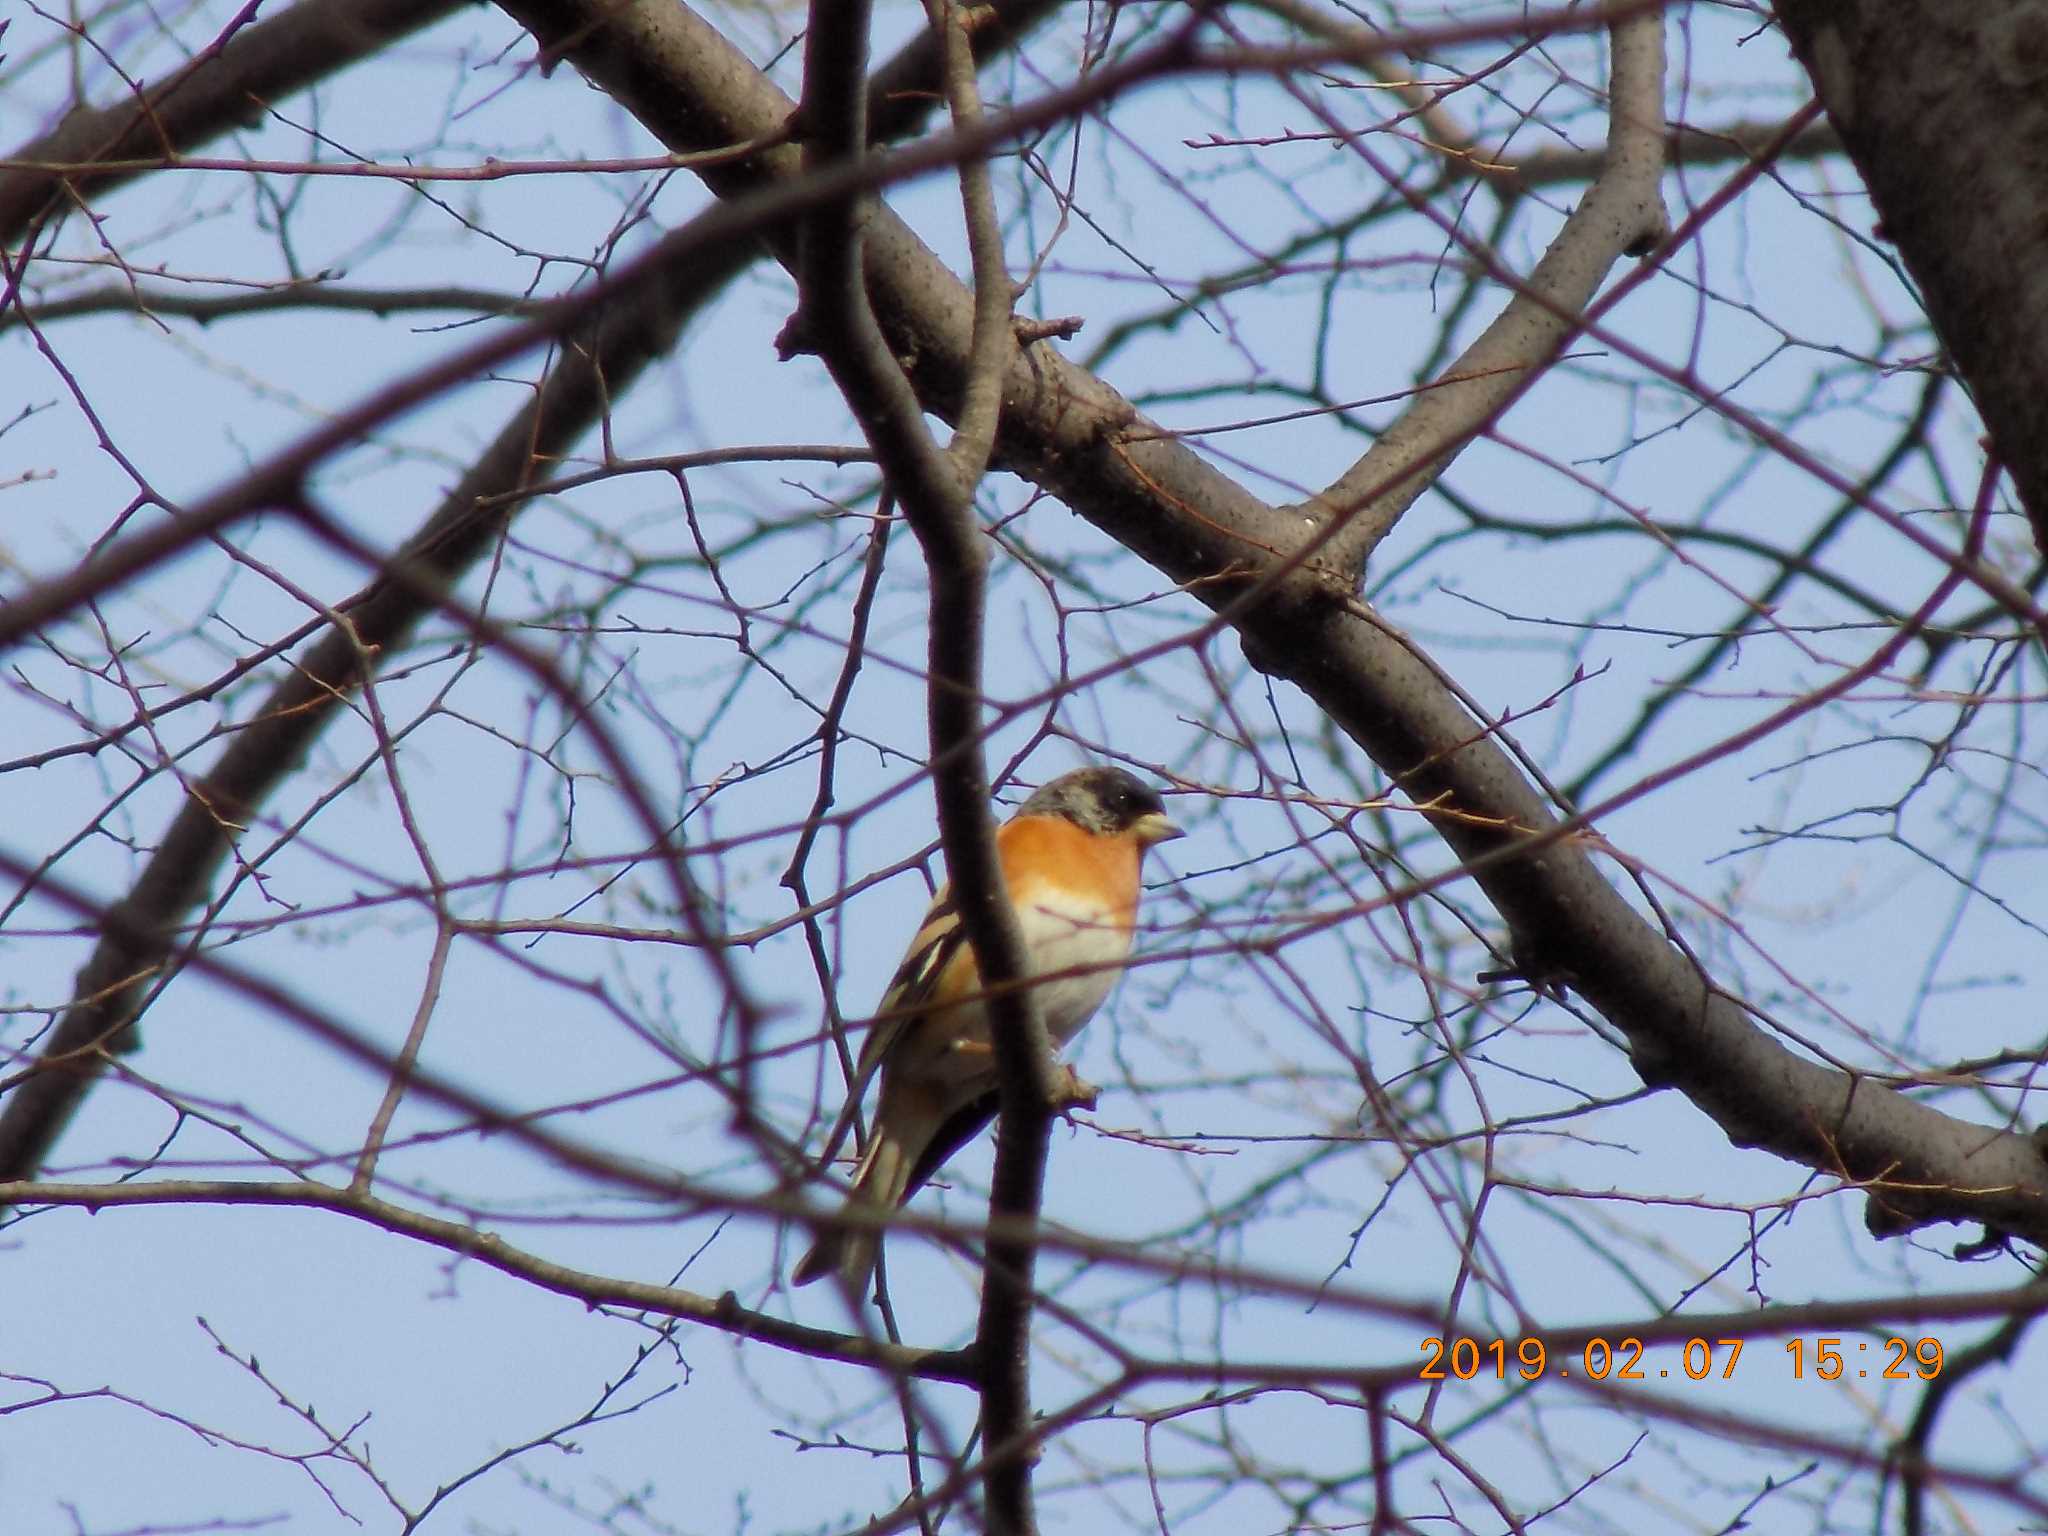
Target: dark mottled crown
{"x": 1101, "y": 799}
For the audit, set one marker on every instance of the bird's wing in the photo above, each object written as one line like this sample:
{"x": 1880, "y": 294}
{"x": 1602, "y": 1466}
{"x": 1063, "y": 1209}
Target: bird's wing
{"x": 938, "y": 942}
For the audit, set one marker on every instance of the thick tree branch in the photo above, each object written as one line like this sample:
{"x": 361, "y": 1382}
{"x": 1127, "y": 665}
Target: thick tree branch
{"x": 1621, "y": 214}
{"x": 1944, "y": 109}
{"x": 222, "y": 87}
{"x": 598, "y": 360}
{"x": 125, "y": 969}
{"x": 1684, "y": 146}
{"x": 1071, "y": 433}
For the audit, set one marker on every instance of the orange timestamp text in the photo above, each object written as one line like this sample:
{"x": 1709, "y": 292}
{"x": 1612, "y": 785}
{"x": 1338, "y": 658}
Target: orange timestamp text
{"x": 1629, "y": 1359}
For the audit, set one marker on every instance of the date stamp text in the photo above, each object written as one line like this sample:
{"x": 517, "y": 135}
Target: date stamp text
{"x": 1824, "y": 1358}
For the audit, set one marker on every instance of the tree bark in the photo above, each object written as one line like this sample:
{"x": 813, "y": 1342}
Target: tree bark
{"x": 1944, "y": 110}
{"x": 1073, "y": 434}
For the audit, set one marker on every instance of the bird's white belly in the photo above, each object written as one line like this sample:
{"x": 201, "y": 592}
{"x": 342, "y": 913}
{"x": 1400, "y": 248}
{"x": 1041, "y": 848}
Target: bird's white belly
{"x": 1078, "y": 945}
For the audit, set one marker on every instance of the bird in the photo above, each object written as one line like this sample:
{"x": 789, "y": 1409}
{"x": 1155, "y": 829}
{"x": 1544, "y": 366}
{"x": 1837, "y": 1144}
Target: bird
{"x": 1070, "y": 858}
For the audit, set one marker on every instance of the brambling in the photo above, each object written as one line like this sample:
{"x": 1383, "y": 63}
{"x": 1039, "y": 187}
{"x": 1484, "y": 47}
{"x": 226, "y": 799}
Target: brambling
{"x": 1070, "y": 861}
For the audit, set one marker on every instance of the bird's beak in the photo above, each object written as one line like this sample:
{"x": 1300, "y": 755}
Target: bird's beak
{"x": 1154, "y": 827}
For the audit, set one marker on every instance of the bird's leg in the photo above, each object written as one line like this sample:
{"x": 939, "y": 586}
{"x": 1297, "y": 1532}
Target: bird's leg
{"x": 1071, "y": 1091}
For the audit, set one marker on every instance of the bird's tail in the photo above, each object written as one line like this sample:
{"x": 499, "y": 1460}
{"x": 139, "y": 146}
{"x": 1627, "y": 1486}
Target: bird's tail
{"x": 879, "y": 1184}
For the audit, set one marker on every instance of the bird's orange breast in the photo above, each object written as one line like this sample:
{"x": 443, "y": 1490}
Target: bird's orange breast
{"x": 1051, "y": 851}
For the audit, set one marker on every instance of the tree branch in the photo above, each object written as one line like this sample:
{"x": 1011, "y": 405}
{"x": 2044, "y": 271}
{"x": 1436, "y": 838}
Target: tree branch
{"x": 1621, "y": 214}
{"x": 936, "y": 491}
{"x": 224, "y": 86}
{"x": 1073, "y": 434}
{"x": 1944, "y": 110}
{"x": 723, "y": 1313}
{"x": 608, "y": 349}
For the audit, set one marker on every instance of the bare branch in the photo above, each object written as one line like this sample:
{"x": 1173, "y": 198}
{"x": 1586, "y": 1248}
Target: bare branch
{"x": 1066, "y": 429}
{"x": 221, "y": 88}
{"x": 936, "y": 491}
{"x": 637, "y": 322}
{"x": 1621, "y": 214}
{"x": 1949, "y": 172}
